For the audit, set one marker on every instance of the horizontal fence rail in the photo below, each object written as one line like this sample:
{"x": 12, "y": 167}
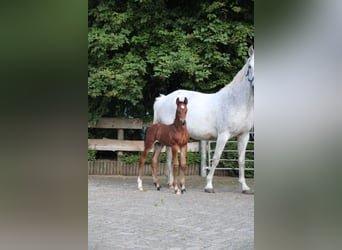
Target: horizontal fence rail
{"x": 128, "y": 145}
{"x": 117, "y": 123}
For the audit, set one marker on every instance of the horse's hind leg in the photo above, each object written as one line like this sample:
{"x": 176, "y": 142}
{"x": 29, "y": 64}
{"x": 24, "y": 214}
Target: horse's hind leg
{"x": 168, "y": 165}
{"x": 183, "y": 151}
{"x": 155, "y": 160}
{"x": 242, "y": 144}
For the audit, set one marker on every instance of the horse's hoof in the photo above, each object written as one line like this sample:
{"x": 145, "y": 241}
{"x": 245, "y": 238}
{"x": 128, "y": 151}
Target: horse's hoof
{"x": 209, "y": 190}
{"x": 141, "y": 189}
{"x": 158, "y": 188}
{"x": 183, "y": 191}
{"x": 247, "y": 191}
{"x": 177, "y": 192}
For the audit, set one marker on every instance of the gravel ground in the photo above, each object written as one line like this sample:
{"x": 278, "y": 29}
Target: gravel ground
{"x": 121, "y": 217}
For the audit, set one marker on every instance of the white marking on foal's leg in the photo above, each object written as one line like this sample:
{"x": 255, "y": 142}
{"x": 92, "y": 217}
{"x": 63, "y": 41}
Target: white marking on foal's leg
{"x": 177, "y": 190}
{"x": 183, "y": 189}
{"x": 139, "y": 181}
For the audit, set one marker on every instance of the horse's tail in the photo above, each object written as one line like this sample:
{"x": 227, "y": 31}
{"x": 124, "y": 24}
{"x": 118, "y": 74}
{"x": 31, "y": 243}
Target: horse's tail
{"x": 155, "y": 108}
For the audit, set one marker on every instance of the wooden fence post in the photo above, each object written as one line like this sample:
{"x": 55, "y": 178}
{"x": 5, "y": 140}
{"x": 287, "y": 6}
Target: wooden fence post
{"x": 120, "y": 137}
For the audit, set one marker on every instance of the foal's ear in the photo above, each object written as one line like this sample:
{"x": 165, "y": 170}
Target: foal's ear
{"x": 177, "y": 101}
{"x": 185, "y": 101}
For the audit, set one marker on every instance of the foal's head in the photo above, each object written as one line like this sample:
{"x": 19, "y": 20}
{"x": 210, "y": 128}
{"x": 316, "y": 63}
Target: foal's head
{"x": 181, "y": 111}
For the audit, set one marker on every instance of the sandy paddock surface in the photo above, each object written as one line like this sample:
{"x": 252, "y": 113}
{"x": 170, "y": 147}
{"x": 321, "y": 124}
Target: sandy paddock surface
{"x": 121, "y": 217}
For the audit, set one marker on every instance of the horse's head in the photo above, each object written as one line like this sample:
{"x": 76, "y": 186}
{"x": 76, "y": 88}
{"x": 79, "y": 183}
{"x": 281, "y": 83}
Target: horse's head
{"x": 182, "y": 109}
{"x": 250, "y": 66}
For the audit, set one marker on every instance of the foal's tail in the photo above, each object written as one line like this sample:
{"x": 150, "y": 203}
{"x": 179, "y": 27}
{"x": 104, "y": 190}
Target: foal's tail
{"x": 155, "y": 108}
{"x": 144, "y": 131}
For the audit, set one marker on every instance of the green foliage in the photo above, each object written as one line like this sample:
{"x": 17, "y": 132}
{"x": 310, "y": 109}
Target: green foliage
{"x": 121, "y": 79}
{"x": 131, "y": 158}
{"x": 91, "y": 155}
{"x": 191, "y": 157}
{"x": 138, "y": 49}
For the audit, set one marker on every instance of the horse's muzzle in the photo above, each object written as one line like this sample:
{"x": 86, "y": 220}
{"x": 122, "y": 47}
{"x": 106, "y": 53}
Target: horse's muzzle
{"x": 182, "y": 122}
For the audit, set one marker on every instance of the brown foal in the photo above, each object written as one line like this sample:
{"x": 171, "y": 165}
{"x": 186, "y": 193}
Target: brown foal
{"x": 175, "y": 136}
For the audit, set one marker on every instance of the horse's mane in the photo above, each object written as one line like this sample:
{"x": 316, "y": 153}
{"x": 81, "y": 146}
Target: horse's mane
{"x": 238, "y": 77}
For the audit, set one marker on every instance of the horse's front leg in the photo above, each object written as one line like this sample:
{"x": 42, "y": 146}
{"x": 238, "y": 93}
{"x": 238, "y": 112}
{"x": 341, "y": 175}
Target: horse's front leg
{"x": 155, "y": 160}
{"x": 183, "y": 151}
{"x": 220, "y": 144}
{"x": 242, "y": 145}
{"x": 175, "y": 168}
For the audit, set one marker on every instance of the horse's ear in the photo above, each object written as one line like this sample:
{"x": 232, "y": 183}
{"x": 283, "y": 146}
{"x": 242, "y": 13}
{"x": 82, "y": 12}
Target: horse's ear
{"x": 186, "y": 101}
{"x": 177, "y": 101}
{"x": 250, "y": 51}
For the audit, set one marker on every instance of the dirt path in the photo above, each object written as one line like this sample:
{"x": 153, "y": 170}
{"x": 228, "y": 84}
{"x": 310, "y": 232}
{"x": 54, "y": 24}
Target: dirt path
{"x": 121, "y": 217}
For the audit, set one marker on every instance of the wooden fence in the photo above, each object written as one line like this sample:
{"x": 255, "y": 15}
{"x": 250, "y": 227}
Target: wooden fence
{"x": 111, "y": 167}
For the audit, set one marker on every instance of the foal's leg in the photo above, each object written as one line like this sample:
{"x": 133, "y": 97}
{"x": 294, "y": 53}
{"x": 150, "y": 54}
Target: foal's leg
{"x": 220, "y": 144}
{"x": 148, "y": 146}
{"x": 242, "y": 144}
{"x": 155, "y": 160}
{"x": 183, "y": 151}
{"x": 175, "y": 167}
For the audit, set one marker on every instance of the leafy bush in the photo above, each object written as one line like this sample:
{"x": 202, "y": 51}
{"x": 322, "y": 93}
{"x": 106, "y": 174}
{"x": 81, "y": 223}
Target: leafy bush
{"x": 91, "y": 155}
{"x": 191, "y": 157}
{"x": 139, "y": 49}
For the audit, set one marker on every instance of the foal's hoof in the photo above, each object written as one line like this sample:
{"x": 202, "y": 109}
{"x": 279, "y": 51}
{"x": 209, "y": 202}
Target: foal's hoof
{"x": 157, "y": 186}
{"x": 209, "y": 190}
{"x": 183, "y": 191}
{"x": 141, "y": 189}
{"x": 177, "y": 192}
